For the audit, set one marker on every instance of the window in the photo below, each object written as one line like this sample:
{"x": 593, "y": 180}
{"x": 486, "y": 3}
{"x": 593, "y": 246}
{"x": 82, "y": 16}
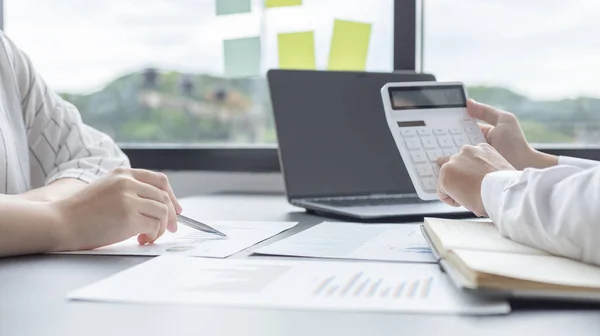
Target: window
{"x": 537, "y": 59}
{"x": 159, "y": 71}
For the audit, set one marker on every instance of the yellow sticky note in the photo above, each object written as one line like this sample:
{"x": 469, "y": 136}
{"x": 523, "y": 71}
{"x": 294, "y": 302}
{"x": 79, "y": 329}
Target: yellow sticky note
{"x": 349, "y": 45}
{"x": 282, "y": 3}
{"x": 296, "y": 50}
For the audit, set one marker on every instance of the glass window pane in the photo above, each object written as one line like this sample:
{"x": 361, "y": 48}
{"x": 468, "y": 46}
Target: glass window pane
{"x": 191, "y": 70}
{"x": 537, "y": 59}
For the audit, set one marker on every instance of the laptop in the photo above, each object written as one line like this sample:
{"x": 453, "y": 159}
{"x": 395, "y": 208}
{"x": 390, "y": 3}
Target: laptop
{"x": 335, "y": 149}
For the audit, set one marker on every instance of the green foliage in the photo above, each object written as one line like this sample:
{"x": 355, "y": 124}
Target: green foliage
{"x": 538, "y": 133}
{"x": 131, "y": 111}
{"x": 549, "y": 121}
{"x": 496, "y": 96}
{"x": 232, "y": 110}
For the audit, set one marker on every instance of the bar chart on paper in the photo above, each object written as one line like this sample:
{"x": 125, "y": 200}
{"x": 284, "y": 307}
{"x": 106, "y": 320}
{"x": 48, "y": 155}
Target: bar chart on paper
{"x": 361, "y": 286}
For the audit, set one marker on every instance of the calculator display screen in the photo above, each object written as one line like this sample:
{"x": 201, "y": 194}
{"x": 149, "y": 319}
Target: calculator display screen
{"x": 426, "y": 97}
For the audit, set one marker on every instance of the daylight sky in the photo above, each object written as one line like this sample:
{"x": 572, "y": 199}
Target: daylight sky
{"x": 542, "y": 48}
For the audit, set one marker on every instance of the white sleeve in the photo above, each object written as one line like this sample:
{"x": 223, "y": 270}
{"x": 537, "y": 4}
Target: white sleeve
{"x": 555, "y": 209}
{"x": 581, "y": 163}
{"x": 60, "y": 144}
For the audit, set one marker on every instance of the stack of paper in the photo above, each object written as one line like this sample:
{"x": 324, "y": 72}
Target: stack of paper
{"x": 417, "y": 288}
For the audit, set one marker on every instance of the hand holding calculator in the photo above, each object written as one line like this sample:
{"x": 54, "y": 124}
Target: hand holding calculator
{"x": 428, "y": 120}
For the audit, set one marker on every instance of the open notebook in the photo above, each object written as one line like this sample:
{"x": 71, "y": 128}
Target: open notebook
{"x": 477, "y": 257}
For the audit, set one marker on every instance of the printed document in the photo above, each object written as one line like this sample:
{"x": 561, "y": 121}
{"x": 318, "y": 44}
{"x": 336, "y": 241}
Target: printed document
{"x": 388, "y": 242}
{"x": 192, "y": 242}
{"x": 290, "y": 284}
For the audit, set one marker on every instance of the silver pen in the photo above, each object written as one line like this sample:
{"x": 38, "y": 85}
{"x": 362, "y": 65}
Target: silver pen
{"x": 194, "y": 224}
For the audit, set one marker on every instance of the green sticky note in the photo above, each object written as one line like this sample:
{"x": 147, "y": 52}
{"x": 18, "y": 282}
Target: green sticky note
{"x": 242, "y": 57}
{"x": 349, "y": 45}
{"x": 226, "y": 7}
{"x": 296, "y": 50}
{"x": 282, "y": 3}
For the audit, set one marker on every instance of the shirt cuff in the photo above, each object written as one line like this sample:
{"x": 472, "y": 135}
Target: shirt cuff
{"x": 581, "y": 163}
{"x": 78, "y": 174}
{"x": 492, "y": 188}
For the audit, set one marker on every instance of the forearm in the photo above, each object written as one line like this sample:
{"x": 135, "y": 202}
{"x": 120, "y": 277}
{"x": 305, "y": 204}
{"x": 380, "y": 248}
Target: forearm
{"x": 554, "y": 209}
{"x": 29, "y": 227}
{"x": 55, "y": 191}
{"x": 543, "y": 160}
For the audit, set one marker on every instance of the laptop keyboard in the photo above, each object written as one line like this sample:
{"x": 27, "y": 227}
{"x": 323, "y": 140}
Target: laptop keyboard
{"x": 363, "y": 201}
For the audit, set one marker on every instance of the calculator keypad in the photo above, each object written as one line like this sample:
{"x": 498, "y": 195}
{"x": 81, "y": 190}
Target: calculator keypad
{"x": 426, "y": 145}
{"x": 461, "y": 140}
{"x": 429, "y": 142}
{"x": 418, "y": 156}
{"x": 413, "y": 143}
{"x": 408, "y": 132}
{"x": 433, "y": 154}
{"x": 445, "y": 141}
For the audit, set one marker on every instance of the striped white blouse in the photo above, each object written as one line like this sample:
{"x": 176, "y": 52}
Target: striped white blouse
{"x": 42, "y": 137}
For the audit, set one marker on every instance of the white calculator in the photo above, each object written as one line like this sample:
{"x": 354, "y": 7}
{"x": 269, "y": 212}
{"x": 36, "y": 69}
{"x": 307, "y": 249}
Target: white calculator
{"x": 428, "y": 120}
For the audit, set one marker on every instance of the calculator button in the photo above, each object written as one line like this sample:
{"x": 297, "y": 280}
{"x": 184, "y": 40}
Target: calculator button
{"x": 434, "y": 154}
{"x": 424, "y": 169}
{"x": 476, "y": 138}
{"x": 471, "y": 128}
{"x": 461, "y": 140}
{"x": 445, "y": 141}
{"x": 424, "y": 131}
{"x": 418, "y": 156}
{"x": 439, "y": 131}
{"x": 450, "y": 151}
{"x": 455, "y": 130}
{"x": 429, "y": 184}
{"x": 429, "y": 142}
{"x": 466, "y": 121}
{"x": 436, "y": 169}
{"x": 413, "y": 143}
{"x": 408, "y": 132}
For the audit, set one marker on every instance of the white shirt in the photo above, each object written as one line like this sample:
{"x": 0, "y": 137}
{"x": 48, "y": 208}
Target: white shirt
{"x": 555, "y": 209}
{"x": 42, "y": 137}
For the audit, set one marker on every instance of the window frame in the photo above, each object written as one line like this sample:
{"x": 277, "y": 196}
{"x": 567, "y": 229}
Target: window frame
{"x": 409, "y": 20}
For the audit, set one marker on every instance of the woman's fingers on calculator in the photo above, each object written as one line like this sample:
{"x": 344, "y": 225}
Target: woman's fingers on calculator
{"x": 441, "y": 192}
{"x": 446, "y": 199}
{"x": 442, "y": 160}
{"x": 485, "y": 129}
{"x": 483, "y": 112}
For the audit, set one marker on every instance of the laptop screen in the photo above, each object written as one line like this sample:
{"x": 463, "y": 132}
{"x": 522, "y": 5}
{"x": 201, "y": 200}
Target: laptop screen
{"x": 332, "y": 133}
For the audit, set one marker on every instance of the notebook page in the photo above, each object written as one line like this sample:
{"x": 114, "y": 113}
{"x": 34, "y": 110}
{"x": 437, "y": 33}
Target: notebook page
{"x": 537, "y": 268}
{"x": 470, "y": 235}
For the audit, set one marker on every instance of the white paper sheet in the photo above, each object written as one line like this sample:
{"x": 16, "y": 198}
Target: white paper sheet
{"x": 389, "y": 242}
{"x": 191, "y": 242}
{"x": 292, "y": 284}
